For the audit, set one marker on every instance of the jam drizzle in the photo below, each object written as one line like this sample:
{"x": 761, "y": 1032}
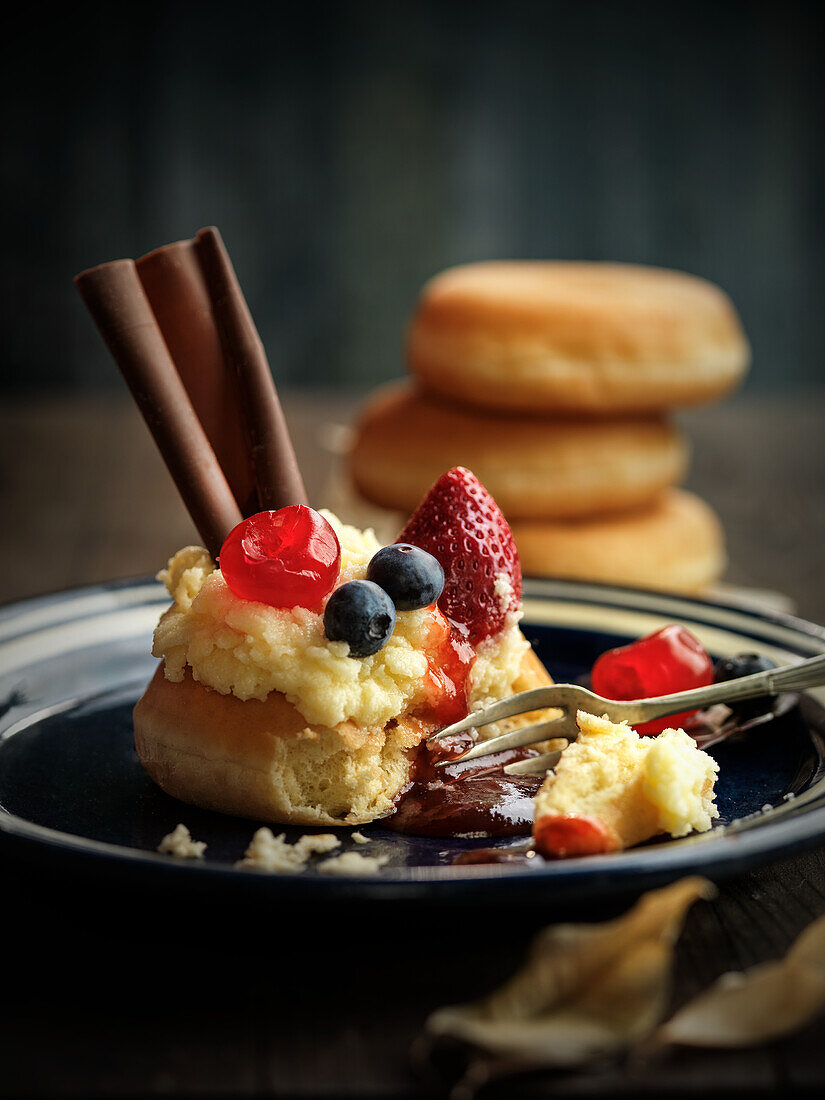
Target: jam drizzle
{"x": 450, "y": 658}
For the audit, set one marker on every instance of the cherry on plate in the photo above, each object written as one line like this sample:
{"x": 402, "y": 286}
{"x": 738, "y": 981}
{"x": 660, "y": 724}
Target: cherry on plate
{"x": 665, "y": 662}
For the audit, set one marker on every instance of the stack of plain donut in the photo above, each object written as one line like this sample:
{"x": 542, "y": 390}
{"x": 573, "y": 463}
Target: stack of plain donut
{"x": 554, "y": 383}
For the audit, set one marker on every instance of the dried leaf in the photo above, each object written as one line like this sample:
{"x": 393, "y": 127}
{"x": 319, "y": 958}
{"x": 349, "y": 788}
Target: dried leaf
{"x": 586, "y": 991}
{"x": 761, "y": 1004}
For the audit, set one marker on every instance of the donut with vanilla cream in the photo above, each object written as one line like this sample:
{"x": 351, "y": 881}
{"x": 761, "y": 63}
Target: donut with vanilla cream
{"x": 257, "y": 712}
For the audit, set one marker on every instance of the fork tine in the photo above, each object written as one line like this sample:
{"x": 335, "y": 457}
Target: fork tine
{"x": 515, "y": 739}
{"x": 534, "y": 765}
{"x": 535, "y": 699}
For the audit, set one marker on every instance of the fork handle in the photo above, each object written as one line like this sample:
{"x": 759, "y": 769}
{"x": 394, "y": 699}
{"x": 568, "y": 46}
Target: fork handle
{"x": 798, "y": 677}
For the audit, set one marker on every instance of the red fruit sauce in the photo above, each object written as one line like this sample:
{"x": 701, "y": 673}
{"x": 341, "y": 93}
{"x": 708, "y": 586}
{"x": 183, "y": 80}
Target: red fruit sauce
{"x": 663, "y": 663}
{"x": 449, "y": 660}
{"x": 287, "y": 558}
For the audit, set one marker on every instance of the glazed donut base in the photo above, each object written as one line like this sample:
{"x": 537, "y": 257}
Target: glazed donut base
{"x": 262, "y": 760}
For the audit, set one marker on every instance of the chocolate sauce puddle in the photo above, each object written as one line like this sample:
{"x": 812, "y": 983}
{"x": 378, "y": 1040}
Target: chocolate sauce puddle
{"x": 477, "y": 798}
{"x": 472, "y": 799}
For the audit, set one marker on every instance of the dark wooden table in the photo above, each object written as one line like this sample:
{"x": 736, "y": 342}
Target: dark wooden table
{"x": 107, "y": 993}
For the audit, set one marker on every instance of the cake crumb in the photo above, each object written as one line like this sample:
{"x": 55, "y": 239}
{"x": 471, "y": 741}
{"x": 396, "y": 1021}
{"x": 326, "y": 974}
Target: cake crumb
{"x": 311, "y": 844}
{"x": 503, "y": 592}
{"x": 351, "y": 863}
{"x": 766, "y": 807}
{"x": 179, "y": 843}
{"x": 359, "y": 838}
{"x": 267, "y": 852}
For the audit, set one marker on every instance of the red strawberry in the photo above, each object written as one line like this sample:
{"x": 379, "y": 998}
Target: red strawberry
{"x": 460, "y": 524}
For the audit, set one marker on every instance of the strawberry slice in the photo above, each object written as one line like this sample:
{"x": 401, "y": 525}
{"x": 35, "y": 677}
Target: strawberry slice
{"x": 460, "y": 524}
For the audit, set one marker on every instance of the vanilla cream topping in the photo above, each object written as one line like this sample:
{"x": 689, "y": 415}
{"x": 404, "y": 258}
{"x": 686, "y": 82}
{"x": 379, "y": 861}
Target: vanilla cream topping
{"x": 249, "y": 649}
{"x": 611, "y": 766}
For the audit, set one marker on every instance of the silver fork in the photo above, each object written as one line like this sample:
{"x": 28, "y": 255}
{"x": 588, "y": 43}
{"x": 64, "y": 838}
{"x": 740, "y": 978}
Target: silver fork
{"x": 570, "y": 698}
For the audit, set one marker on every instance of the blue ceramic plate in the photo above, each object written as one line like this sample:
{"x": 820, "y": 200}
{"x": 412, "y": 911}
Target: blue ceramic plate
{"x": 71, "y": 788}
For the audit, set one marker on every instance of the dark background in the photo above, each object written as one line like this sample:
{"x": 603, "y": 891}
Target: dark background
{"x": 350, "y": 150}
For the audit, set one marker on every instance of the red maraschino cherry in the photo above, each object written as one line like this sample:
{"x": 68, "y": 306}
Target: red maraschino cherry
{"x": 663, "y": 663}
{"x": 286, "y": 558}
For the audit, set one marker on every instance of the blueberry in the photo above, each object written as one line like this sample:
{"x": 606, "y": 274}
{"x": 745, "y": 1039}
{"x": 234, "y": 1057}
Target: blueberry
{"x": 411, "y": 577}
{"x": 362, "y": 614}
{"x": 744, "y": 664}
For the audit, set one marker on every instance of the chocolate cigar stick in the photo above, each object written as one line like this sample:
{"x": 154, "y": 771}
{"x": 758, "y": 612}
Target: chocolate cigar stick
{"x": 177, "y": 293}
{"x": 276, "y": 468}
{"x": 116, "y": 300}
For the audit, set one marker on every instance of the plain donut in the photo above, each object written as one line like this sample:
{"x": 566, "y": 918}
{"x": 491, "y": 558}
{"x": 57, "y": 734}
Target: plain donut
{"x": 575, "y": 337}
{"x": 677, "y": 545}
{"x": 535, "y": 468}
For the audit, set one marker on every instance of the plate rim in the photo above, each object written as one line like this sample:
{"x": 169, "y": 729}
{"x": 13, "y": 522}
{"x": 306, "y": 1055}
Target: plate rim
{"x": 727, "y": 852}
